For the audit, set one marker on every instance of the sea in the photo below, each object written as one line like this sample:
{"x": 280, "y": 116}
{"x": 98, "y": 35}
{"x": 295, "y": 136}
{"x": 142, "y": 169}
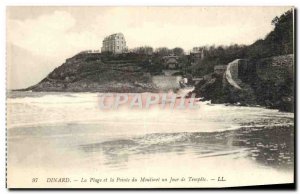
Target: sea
{"x": 53, "y": 135}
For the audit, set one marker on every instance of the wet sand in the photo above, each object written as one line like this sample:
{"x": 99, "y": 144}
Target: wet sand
{"x": 245, "y": 145}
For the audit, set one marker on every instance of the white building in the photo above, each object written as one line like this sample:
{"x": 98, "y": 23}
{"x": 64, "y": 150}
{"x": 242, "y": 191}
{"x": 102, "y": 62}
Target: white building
{"x": 114, "y": 43}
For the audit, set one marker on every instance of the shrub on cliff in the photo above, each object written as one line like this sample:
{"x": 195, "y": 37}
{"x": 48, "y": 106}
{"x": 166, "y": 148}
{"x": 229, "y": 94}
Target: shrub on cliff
{"x": 277, "y": 42}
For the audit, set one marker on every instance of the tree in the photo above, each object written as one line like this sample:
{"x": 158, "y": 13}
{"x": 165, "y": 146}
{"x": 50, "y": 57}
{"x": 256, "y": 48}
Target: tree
{"x": 146, "y": 50}
{"x": 178, "y": 51}
{"x": 163, "y": 51}
{"x": 277, "y": 42}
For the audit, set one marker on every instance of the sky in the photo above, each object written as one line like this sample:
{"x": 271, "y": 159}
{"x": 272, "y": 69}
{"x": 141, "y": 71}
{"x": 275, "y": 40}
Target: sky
{"x": 41, "y": 38}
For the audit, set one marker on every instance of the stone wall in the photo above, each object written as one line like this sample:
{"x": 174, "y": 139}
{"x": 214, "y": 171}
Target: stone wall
{"x": 268, "y": 82}
{"x": 274, "y": 86}
{"x": 277, "y": 68}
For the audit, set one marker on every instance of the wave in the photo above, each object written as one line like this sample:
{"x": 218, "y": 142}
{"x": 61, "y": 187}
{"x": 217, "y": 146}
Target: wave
{"x": 82, "y": 108}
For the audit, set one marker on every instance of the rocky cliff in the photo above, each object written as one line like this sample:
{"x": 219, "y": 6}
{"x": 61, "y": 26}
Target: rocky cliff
{"x": 267, "y": 82}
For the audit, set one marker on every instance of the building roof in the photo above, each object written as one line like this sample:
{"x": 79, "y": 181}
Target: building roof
{"x": 113, "y": 36}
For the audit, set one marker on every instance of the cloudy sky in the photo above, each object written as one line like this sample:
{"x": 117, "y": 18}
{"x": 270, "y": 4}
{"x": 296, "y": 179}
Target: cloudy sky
{"x": 41, "y": 38}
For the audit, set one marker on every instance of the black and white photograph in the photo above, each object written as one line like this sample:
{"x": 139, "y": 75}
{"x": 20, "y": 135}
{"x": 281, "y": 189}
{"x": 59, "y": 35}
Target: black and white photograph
{"x": 150, "y": 97}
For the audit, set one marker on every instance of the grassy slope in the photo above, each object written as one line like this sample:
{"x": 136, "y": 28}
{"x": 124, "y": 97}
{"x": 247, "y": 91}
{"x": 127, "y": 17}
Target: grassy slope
{"x": 88, "y": 72}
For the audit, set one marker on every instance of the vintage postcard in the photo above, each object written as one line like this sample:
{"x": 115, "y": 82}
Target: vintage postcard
{"x": 150, "y": 97}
